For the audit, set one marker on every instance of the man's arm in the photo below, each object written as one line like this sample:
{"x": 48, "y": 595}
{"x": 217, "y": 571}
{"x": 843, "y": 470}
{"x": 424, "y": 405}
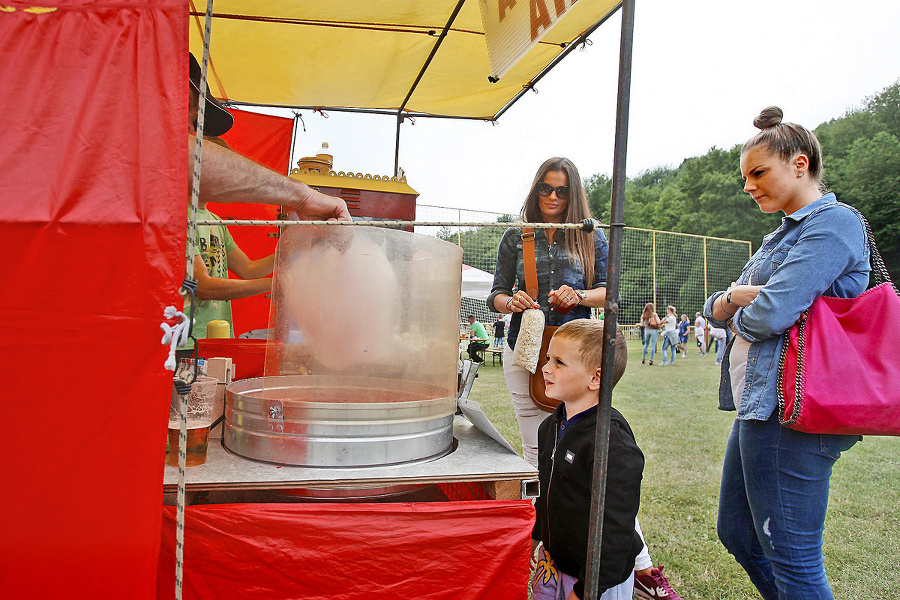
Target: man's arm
{"x": 229, "y": 177}
{"x": 217, "y": 288}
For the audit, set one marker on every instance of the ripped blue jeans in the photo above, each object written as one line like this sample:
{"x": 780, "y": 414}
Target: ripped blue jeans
{"x": 772, "y": 505}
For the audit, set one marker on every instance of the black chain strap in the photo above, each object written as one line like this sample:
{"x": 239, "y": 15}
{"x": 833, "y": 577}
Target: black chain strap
{"x": 798, "y": 381}
{"x": 879, "y": 269}
{"x": 880, "y": 275}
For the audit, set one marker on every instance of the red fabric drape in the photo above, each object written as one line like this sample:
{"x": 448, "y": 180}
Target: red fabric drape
{"x": 267, "y": 140}
{"x": 92, "y": 229}
{"x": 264, "y": 138}
{"x": 431, "y": 551}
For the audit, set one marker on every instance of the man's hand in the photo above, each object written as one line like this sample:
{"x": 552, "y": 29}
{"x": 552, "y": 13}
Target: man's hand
{"x": 311, "y": 205}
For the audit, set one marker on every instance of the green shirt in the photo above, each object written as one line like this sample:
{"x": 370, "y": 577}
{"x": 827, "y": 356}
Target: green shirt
{"x": 213, "y": 245}
{"x": 478, "y": 331}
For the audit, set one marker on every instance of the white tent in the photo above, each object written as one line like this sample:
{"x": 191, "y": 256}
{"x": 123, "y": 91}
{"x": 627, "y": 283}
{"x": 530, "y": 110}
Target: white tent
{"x": 476, "y": 283}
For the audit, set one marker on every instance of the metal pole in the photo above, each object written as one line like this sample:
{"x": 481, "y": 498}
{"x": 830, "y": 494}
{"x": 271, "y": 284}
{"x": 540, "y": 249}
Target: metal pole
{"x": 610, "y": 323}
{"x": 397, "y": 146}
{"x": 654, "y": 271}
{"x": 705, "y": 273}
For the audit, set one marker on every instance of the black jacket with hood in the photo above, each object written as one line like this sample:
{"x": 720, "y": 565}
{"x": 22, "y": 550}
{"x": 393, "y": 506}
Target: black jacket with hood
{"x": 563, "y": 509}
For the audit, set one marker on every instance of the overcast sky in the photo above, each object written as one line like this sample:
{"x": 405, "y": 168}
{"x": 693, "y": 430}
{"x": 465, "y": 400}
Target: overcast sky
{"x": 702, "y": 70}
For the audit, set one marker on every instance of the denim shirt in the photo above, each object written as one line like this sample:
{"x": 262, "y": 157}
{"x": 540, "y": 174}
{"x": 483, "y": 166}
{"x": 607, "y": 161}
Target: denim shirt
{"x": 819, "y": 250}
{"x": 554, "y": 268}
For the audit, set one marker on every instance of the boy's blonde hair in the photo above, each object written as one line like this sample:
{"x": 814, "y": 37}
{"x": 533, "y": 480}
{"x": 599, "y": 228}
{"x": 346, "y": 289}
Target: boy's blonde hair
{"x": 587, "y": 334}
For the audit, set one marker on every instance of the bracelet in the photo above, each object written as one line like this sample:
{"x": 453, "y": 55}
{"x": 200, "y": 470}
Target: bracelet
{"x": 722, "y": 306}
{"x": 508, "y": 303}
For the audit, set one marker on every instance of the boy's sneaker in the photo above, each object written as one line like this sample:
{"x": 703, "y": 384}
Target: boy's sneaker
{"x": 654, "y": 586}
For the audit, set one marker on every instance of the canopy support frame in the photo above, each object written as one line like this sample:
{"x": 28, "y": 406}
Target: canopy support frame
{"x": 419, "y": 77}
{"x": 611, "y": 307}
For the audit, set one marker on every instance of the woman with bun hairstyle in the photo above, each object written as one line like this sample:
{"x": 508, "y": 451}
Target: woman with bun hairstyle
{"x": 774, "y": 490}
{"x": 571, "y": 276}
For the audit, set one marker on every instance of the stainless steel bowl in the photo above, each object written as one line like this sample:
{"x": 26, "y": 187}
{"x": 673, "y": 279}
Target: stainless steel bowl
{"x": 337, "y": 421}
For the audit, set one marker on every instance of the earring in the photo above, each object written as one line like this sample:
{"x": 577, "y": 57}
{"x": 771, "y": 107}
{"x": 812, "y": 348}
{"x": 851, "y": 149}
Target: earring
{"x": 799, "y": 175}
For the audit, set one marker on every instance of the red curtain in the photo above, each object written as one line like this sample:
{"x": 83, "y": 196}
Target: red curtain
{"x": 430, "y": 551}
{"x": 92, "y": 231}
{"x": 267, "y": 140}
{"x": 264, "y": 138}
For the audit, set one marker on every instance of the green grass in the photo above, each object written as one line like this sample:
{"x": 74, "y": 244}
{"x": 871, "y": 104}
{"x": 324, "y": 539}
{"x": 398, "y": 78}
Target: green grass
{"x": 682, "y": 434}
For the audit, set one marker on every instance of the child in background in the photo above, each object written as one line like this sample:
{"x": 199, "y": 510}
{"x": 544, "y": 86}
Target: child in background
{"x": 499, "y": 331}
{"x": 565, "y": 467}
{"x": 700, "y": 333}
{"x": 683, "y": 327}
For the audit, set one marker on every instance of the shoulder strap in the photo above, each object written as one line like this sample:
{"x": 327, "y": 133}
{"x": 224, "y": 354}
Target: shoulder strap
{"x": 528, "y": 257}
{"x": 879, "y": 270}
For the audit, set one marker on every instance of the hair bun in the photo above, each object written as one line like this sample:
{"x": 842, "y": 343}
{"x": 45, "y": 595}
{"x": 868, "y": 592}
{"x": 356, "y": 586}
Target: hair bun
{"x": 769, "y": 117}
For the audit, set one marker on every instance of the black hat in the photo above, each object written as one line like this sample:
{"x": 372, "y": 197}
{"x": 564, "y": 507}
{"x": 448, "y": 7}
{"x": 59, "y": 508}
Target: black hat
{"x": 217, "y": 120}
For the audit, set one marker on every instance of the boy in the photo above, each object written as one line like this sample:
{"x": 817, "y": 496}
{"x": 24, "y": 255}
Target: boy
{"x": 565, "y": 467}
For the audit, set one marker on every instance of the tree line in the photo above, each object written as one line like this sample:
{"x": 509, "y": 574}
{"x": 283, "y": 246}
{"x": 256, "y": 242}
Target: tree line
{"x": 704, "y": 194}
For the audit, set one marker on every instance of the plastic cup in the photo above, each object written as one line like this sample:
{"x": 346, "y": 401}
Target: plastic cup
{"x": 200, "y": 403}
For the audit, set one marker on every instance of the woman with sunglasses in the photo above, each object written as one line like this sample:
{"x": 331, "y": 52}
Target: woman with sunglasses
{"x": 571, "y": 274}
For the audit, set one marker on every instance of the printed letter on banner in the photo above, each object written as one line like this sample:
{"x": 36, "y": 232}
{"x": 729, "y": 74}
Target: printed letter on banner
{"x": 513, "y": 27}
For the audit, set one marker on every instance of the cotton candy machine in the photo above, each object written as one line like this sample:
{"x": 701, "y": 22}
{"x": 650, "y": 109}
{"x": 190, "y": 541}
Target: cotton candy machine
{"x": 361, "y": 361}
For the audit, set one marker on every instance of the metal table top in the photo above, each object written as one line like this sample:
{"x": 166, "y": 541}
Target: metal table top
{"x": 477, "y": 457}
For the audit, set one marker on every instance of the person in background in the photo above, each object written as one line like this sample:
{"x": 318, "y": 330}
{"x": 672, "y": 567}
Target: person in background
{"x": 499, "y": 331}
{"x": 775, "y": 480}
{"x": 229, "y": 177}
{"x": 700, "y": 333}
{"x": 670, "y": 335}
{"x": 479, "y": 338}
{"x": 650, "y": 326}
{"x": 565, "y": 467}
{"x": 718, "y": 336}
{"x": 683, "y": 327}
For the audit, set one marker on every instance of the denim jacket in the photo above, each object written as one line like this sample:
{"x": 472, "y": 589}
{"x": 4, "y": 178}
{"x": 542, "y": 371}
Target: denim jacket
{"x": 819, "y": 250}
{"x": 554, "y": 268}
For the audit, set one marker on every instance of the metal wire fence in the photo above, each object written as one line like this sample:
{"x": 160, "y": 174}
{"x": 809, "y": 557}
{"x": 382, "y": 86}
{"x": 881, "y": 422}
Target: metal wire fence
{"x": 662, "y": 267}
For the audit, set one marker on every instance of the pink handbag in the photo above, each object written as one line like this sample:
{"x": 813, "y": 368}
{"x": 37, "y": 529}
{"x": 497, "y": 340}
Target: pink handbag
{"x": 839, "y": 370}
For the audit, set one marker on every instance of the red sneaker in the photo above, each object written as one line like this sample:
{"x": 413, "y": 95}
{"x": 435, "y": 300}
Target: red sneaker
{"x": 654, "y": 586}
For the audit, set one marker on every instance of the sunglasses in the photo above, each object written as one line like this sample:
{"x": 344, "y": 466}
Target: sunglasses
{"x": 545, "y": 189}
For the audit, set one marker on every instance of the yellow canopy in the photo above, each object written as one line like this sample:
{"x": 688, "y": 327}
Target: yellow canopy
{"x": 368, "y": 54}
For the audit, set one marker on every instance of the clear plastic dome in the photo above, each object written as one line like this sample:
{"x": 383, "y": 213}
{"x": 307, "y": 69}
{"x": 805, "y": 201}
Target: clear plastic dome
{"x": 361, "y": 366}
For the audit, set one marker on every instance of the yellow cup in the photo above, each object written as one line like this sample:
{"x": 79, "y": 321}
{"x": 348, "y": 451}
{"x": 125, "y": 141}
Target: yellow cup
{"x": 218, "y": 329}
